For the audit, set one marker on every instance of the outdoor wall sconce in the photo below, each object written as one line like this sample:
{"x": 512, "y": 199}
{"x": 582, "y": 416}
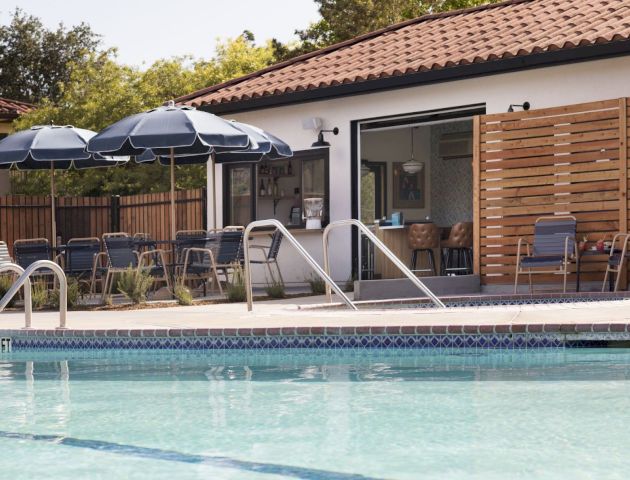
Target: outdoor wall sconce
{"x": 320, "y": 138}
{"x": 525, "y": 106}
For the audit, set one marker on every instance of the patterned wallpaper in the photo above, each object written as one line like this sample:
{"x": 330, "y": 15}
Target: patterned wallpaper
{"x": 451, "y": 180}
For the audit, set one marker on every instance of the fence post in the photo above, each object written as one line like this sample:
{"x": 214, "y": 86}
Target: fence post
{"x": 476, "y": 200}
{"x": 204, "y": 207}
{"x": 114, "y": 209}
{"x": 623, "y": 178}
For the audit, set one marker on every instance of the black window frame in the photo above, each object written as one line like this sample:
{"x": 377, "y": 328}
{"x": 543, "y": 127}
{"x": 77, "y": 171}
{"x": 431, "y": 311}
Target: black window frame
{"x": 297, "y": 159}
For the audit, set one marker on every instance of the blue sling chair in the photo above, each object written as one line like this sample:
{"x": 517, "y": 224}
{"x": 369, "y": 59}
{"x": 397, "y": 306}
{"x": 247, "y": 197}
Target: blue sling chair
{"x": 554, "y": 247}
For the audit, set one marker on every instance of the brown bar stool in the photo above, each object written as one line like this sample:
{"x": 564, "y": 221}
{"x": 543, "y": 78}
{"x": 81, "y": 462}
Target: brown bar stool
{"x": 423, "y": 237}
{"x": 457, "y": 249}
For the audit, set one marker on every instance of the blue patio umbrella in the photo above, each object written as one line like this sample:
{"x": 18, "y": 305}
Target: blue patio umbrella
{"x": 52, "y": 147}
{"x": 183, "y": 135}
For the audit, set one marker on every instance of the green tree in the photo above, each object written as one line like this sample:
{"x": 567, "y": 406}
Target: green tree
{"x": 100, "y": 91}
{"x": 34, "y": 61}
{"x": 345, "y": 19}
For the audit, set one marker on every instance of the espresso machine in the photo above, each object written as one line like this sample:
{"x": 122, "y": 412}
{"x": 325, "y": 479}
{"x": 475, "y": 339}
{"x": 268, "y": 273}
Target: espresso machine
{"x": 313, "y": 210}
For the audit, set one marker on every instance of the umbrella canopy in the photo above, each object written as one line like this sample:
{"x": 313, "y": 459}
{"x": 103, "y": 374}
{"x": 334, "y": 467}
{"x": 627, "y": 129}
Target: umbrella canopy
{"x": 169, "y": 130}
{"x": 262, "y": 145}
{"x": 52, "y": 147}
{"x": 185, "y": 136}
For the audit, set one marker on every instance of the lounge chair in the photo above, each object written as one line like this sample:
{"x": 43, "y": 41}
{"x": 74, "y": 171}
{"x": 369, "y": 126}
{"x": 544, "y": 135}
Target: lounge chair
{"x": 616, "y": 260}
{"x": 554, "y": 247}
{"x": 5, "y": 256}
{"x": 270, "y": 254}
{"x": 121, "y": 255}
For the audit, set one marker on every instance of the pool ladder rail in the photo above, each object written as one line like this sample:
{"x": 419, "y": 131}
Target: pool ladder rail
{"x": 324, "y": 273}
{"x": 25, "y": 281}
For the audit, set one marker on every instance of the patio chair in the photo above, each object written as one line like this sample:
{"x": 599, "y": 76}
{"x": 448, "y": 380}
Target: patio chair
{"x": 554, "y": 246}
{"x": 185, "y": 239}
{"x": 229, "y": 251}
{"x": 5, "y": 256}
{"x": 121, "y": 255}
{"x": 80, "y": 257}
{"x": 31, "y": 250}
{"x": 616, "y": 260}
{"x": 199, "y": 262}
{"x": 270, "y": 254}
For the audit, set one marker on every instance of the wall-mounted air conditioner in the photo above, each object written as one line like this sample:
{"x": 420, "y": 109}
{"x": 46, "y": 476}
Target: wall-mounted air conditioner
{"x": 454, "y": 146}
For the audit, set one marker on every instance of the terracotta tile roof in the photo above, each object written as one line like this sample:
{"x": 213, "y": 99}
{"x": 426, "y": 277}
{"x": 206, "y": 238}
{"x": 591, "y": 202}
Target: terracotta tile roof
{"x": 515, "y": 28}
{"x": 13, "y": 108}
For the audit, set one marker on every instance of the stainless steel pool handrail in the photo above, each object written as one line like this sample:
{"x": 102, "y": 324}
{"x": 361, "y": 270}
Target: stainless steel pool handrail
{"x": 28, "y": 304}
{"x": 383, "y": 248}
{"x": 24, "y": 280}
{"x": 292, "y": 240}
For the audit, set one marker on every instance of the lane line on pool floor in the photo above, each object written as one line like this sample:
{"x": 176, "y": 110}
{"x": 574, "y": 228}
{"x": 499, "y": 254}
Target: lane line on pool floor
{"x": 174, "y": 456}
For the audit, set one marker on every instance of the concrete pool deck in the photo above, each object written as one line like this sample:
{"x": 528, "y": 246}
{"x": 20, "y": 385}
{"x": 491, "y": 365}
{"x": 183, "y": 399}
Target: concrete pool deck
{"x": 290, "y": 316}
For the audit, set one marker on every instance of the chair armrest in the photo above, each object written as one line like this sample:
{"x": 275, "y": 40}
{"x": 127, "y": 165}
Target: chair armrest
{"x": 262, "y": 248}
{"x": 199, "y": 250}
{"x": 60, "y": 260}
{"x": 98, "y": 256}
{"x": 160, "y": 252}
{"x": 521, "y": 241}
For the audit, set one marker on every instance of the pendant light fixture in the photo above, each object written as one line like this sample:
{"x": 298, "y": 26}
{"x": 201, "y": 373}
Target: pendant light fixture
{"x": 413, "y": 165}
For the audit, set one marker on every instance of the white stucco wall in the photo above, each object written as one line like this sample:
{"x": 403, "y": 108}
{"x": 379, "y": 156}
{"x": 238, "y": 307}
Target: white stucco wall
{"x": 543, "y": 87}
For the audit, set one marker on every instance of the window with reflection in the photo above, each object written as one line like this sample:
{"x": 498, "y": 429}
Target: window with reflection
{"x": 276, "y": 189}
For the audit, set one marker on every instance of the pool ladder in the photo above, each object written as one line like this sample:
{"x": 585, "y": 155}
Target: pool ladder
{"x": 324, "y": 273}
{"x": 25, "y": 281}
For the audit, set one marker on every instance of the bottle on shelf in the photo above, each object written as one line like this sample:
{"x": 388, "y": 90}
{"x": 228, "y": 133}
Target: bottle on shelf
{"x": 269, "y": 188}
{"x": 275, "y": 188}
{"x": 262, "y": 188}
{"x": 290, "y": 169}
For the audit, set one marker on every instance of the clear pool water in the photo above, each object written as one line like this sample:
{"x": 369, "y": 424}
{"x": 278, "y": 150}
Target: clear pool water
{"x": 315, "y": 415}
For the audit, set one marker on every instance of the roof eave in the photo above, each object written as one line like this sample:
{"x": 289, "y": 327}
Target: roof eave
{"x": 537, "y": 60}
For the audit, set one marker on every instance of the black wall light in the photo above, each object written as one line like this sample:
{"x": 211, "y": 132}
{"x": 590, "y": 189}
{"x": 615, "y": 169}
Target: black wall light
{"x": 525, "y": 106}
{"x": 320, "y": 138}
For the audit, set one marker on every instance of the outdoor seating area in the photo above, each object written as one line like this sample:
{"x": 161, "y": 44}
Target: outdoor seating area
{"x": 198, "y": 259}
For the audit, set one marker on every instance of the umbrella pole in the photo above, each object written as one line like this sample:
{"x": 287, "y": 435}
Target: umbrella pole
{"x": 214, "y": 192}
{"x": 173, "y": 229}
{"x": 52, "y": 205}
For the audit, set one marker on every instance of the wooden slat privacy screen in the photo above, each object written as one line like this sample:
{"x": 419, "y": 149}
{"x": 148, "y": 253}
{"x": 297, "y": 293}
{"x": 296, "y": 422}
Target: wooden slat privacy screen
{"x": 568, "y": 160}
{"x": 30, "y": 216}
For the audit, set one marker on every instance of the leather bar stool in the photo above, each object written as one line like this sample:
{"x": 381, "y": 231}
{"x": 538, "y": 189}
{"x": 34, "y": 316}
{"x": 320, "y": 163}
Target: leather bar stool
{"x": 423, "y": 237}
{"x": 457, "y": 250}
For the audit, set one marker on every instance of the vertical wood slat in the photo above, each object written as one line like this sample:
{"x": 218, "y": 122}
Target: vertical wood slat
{"x": 476, "y": 168}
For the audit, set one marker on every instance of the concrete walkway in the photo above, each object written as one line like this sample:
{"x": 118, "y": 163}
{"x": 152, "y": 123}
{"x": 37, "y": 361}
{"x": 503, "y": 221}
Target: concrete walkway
{"x": 287, "y": 313}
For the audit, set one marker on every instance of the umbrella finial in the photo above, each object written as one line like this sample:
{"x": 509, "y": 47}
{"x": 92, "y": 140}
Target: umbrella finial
{"x": 169, "y": 103}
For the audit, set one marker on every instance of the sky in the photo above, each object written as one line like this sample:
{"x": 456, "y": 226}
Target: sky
{"x": 146, "y": 30}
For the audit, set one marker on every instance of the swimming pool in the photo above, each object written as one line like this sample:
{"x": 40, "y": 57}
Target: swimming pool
{"x": 325, "y": 414}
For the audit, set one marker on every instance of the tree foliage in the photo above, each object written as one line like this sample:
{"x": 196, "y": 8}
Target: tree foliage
{"x": 345, "y": 19}
{"x": 34, "y": 61}
{"x": 101, "y": 91}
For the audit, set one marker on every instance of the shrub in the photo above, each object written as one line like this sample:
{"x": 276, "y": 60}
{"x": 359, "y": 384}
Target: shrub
{"x": 74, "y": 294}
{"x": 275, "y": 290}
{"x": 236, "y": 288}
{"x": 183, "y": 295}
{"x": 317, "y": 284}
{"x": 6, "y": 282}
{"x": 39, "y": 294}
{"x": 135, "y": 284}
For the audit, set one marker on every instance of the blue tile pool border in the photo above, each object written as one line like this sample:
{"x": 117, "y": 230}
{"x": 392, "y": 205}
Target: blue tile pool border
{"x": 512, "y": 336}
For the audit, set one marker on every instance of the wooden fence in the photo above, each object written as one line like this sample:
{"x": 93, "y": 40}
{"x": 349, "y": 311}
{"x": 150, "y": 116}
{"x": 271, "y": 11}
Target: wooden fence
{"x": 30, "y": 216}
{"x": 570, "y": 160}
